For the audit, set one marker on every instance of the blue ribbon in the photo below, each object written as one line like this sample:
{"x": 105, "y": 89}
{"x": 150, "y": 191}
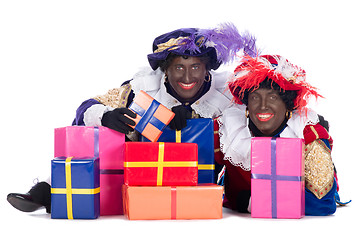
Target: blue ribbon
{"x": 96, "y": 142}
{"x": 111, "y": 171}
{"x": 273, "y": 177}
{"x": 147, "y": 116}
{"x": 273, "y": 180}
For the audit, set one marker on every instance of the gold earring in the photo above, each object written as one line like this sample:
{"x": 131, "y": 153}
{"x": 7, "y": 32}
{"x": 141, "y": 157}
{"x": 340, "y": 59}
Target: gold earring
{"x": 208, "y": 78}
{"x": 288, "y": 114}
{"x": 166, "y": 79}
{"x": 247, "y": 113}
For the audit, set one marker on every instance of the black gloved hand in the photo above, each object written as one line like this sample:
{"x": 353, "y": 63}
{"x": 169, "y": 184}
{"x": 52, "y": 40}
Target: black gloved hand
{"x": 179, "y": 120}
{"x": 117, "y": 120}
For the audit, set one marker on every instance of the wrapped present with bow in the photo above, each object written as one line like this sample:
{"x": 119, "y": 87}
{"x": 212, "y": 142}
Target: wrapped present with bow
{"x": 103, "y": 143}
{"x": 151, "y": 116}
{"x": 180, "y": 202}
{"x": 277, "y": 178}
{"x": 160, "y": 164}
{"x": 75, "y": 188}
{"x": 201, "y": 132}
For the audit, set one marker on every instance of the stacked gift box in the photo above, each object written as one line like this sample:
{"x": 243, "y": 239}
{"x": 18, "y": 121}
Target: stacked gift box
{"x": 277, "y": 178}
{"x": 161, "y": 183}
{"x": 75, "y": 188}
{"x": 105, "y": 149}
{"x": 201, "y": 132}
{"x": 96, "y": 173}
{"x": 161, "y": 178}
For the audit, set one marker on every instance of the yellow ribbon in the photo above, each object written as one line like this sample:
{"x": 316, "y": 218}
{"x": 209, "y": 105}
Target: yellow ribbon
{"x": 75, "y": 191}
{"x": 69, "y": 191}
{"x": 178, "y": 136}
{"x": 160, "y": 164}
{"x": 206, "y": 166}
{"x": 68, "y": 187}
{"x": 200, "y": 166}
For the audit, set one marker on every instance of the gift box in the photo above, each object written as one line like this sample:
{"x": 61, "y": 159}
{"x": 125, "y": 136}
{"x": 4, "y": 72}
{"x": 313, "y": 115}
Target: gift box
{"x": 181, "y": 202}
{"x": 201, "y": 132}
{"x": 160, "y": 164}
{"x": 75, "y": 188}
{"x": 102, "y": 142}
{"x": 151, "y": 116}
{"x": 277, "y": 178}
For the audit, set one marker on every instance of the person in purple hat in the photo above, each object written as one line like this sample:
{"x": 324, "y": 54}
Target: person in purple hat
{"x": 180, "y": 78}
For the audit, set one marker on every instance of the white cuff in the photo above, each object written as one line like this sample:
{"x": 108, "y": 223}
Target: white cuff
{"x": 249, "y": 207}
{"x": 94, "y": 114}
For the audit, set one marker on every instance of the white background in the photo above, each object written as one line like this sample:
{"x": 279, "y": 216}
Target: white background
{"x": 55, "y": 54}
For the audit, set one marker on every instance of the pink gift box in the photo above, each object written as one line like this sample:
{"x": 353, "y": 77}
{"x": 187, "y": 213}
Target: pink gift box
{"x": 277, "y": 178}
{"x": 102, "y": 142}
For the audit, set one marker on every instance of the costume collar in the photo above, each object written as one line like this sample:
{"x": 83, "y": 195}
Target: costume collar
{"x": 235, "y": 135}
{"x": 209, "y": 105}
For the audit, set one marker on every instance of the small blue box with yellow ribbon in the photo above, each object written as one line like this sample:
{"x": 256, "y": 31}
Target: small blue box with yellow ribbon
{"x": 201, "y": 132}
{"x": 75, "y": 188}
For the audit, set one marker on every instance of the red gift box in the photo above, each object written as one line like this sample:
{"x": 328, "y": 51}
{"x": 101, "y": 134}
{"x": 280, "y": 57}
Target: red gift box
{"x": 160, "y": 164}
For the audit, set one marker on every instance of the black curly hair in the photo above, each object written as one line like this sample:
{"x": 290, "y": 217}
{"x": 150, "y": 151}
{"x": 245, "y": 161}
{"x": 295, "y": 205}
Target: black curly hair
{"x": 287, "y": 96}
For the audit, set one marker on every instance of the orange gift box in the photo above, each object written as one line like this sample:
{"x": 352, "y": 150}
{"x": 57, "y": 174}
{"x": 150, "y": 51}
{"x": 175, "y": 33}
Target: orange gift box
{"x": 151, "y": 116}
{"x": 160, "y": 164}
{"x": 185, "y": 202}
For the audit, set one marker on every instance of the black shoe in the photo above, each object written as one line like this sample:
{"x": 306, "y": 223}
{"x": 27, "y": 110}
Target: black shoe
{"x": 242, "y": 201}
{"x": 38, "y": 197}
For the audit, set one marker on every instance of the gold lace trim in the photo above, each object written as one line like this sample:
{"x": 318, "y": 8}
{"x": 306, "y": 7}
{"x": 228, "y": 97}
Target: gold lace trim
{"x": 116, "y": 97}
{"x": 319, "y": 168}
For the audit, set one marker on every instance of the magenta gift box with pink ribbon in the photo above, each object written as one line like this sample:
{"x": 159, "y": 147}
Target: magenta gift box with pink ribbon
{"x": 102, "y": 142}
{"x": 277, "y": 178}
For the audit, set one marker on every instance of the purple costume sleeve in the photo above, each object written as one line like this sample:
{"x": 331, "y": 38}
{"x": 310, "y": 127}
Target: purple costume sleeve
{"x": 79, "y": 118}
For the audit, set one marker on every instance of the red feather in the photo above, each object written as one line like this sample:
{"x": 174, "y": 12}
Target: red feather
{"x": 252, "y": 71}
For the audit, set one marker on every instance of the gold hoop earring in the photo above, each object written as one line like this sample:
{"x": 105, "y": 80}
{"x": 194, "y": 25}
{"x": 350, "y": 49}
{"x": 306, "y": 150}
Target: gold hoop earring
{"x": 208, "y": 78}
{"x": 166, "y": 79}
{"x": 288, "y": 114}
{"x": 247, "y": 113}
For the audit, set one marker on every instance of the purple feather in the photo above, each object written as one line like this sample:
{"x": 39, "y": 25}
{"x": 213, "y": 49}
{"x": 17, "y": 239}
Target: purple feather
{"x": 188, "y": 44}
{"x": 225, "y": 39}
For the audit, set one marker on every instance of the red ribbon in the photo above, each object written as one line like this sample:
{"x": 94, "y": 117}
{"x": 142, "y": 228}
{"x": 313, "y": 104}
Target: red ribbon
{"x": 173, "y": 202}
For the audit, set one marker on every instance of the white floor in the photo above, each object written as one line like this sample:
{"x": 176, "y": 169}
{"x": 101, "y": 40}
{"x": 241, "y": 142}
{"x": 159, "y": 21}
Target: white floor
{"x": 232, "y": 225}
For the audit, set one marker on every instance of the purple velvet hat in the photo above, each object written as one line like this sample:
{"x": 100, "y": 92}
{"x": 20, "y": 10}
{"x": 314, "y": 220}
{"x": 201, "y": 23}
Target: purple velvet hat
{"x": 221, "y": 44}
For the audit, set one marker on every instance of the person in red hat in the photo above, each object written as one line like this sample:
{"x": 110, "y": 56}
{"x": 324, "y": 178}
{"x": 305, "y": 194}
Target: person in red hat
{"x": 270, "y": 98}
{"x": 181, "y": 77}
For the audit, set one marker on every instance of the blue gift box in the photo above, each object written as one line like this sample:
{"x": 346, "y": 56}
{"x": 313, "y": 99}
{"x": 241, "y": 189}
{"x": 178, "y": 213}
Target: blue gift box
{"x": 201, "y": 132}
{"x": 75, "y": 188}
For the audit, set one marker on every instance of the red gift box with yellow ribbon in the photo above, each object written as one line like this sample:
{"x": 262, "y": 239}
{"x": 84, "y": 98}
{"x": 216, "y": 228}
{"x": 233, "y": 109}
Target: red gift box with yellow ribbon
{"x": 151, "y": 116}
{"x": 160, "y": 164}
